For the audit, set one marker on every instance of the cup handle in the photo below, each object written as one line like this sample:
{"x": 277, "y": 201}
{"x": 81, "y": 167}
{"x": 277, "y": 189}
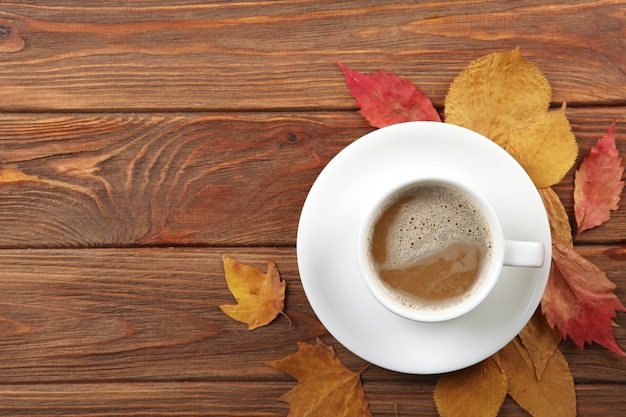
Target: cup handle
{"x": 517, "y": 253}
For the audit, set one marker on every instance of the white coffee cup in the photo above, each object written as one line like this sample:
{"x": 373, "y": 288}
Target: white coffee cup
{"x": 501, "y": 252}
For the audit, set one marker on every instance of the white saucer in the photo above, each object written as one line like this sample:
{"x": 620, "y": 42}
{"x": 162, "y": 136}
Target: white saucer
{"x": 326, "y": 247}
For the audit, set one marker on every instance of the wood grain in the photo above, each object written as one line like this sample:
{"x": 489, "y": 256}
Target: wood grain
{"x": 111, "y": 180}
{"x": 140, "y": 141}
{"x": 198, "y": 398}
{"x": 139, "y": 332}
{"x": 281, "y": 55}
{"x": 105, "y": 315}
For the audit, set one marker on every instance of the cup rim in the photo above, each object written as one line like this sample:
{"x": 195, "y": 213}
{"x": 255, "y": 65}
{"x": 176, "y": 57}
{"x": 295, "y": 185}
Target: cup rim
{"x": 371, "y": 281}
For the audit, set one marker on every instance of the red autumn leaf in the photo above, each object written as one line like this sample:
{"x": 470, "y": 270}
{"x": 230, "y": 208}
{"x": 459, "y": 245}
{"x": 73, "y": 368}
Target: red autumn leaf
{"x": 579, "y": 300}
{"x": 387, "y": 99}
{"x": 598, "y": 183}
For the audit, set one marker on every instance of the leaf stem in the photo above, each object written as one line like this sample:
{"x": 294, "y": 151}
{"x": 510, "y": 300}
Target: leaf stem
{"x": 287, "y": 317}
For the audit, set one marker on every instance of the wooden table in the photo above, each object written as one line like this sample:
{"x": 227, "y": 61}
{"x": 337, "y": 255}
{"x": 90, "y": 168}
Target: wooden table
{"x": 140, "y": 141}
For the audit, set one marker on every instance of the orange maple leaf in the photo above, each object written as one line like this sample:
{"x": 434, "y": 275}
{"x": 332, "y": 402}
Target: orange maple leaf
{"x": 325, "y": 386}
{"x": 579, "y": 300}
{"x": 260, "y": 297}
{"x": 598, "y": 183}
{"x": 386, "y": 99}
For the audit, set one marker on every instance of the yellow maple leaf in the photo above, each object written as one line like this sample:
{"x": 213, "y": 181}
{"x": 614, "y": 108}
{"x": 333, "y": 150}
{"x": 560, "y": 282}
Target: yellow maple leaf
{"x": 260, "y": 297}
{"x": 507, "y": 99}
{"x": 325, "y": 386}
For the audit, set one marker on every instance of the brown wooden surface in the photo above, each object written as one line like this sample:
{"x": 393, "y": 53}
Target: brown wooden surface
{"x": 140, "y": 141}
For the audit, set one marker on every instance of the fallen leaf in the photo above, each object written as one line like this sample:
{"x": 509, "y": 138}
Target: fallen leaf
{"x": 386, "y": 99}
{"x": 545, "y": 147}
{"x": 560, "y": 228}
{"x": 325, "y": 386}
{"x": 551, "y": 396}
{"x": 579, "y": 300}
{"x": 598, "y": 183}
{"x": 260, "y": 297}
{"x": 495, "y": 93}
{"x": 540, "y": 341}
{"x": 477, "y": 391}
{"x": 507, "y": 99}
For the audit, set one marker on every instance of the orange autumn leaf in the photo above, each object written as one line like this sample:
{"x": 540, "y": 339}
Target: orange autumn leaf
{"x": 579, "y": 300}
{"x": 260, "y": 297}
{"x": 560, "y": 229}
{"x": 551, "y": 396}
{"x": 540, "y": 341}
{"x": 480, "y": 389}
{"x": 598, "y": 183}
{"x": 325, "y": 386}
{"x": 477, "y": 391}
{"x": 386, "y": 99}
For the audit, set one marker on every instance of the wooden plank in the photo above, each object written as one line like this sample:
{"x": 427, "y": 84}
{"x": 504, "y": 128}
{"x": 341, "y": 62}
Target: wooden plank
{"x": 279, "y": 55}
{"x": 111, "y": 315}
{"x": 196, "y": 398}
{"x": 199, "y": 398}
{"x": 119, "y": 180}
{"x": 76, "y": 180}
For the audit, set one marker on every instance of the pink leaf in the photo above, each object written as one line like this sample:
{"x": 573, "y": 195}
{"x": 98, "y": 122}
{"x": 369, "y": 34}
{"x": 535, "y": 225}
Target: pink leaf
{"x": 387, "y": 99}
{"x": 598, "y": 183}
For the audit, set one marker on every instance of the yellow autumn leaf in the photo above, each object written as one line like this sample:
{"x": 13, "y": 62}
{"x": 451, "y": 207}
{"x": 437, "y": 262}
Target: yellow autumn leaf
{"x": 260, "y": 297}
{"x": 494, "y": 93}
{"x": 545, "y": 147}
{"x": 507, "y": 99}
{"x": 477, "y": 391}
{"x": 552, "y": 396}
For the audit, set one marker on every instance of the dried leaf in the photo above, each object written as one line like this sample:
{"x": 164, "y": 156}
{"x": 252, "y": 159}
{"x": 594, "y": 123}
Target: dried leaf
{"x": 477, "y": 391}
{"x": 559, "y": 220}
{"x": 598, "y": 183}
{"x": 260, "y": 297}
{"x": 579, "y": 300}
{"x": 386, "y": 99}
{"x": 496, "y": 93}
{"x": 552, "y": 396}
{"x": 545, "y": 147}
{"x": 506, "y": 98}
{"x": 325, "y": 386}
{"x": 540, "y": 341}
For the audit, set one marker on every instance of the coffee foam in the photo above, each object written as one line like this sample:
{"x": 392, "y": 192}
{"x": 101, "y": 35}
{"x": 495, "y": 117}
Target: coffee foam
{"x": 432, "y": 218}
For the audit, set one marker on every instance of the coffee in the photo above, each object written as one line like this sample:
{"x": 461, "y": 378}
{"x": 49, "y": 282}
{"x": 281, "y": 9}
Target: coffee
{"x": 429, "y": 245}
